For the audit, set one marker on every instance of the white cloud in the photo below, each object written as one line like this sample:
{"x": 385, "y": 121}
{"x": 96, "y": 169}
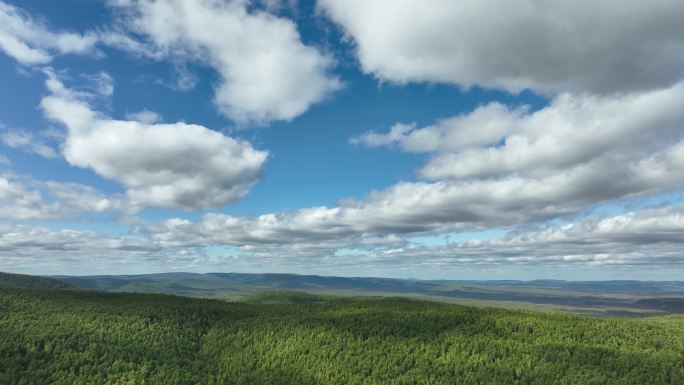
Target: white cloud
{"x": 609, "y": 132}
{"x": 23, "y": 198}
{"x": 37, "y": 249}
{"x": 28, "y": 142}
{"x": 184, "y": 79}
{"x": 613, "y": 129}
{"x": 31, "y": 41}
{"x": 77, "y": 198}
{"x": 484, "y": 126}
{"x": 118, "y": 38}
{"x": 17, "y": 202}
{"x": 502, "y": 167}
{"x": 651, "y": 237}
{"x": 145, "y": 116}
{"x": 101, "y": 83}
{"x": 162, "y": 165}
{"x": 551, "y": 46}
{"x": 278, "y": 5}
{"x": 41, "y": 238}
{"x": 267, "y": 73}
{"x": 494, "y": 140}
{"x": 410, "y": 208}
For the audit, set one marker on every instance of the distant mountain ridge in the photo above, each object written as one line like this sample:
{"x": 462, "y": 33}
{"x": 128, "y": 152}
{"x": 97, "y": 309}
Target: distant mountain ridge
{"x": 296, "y": 281}
{"x": 617, "y": 296}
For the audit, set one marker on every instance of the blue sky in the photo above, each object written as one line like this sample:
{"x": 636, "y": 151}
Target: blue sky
{"x": 418, "y": 139}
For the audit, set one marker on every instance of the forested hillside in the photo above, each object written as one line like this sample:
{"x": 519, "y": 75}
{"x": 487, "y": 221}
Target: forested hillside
{"x": 22, "y": 281}
{"x": 82, "y": 337}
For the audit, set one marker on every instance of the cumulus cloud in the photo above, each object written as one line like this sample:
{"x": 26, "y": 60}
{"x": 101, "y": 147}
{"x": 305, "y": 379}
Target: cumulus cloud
{"x": 592, "y": 151}
{"x": 495, "y": 140}
{"x": 266, "y": 72}
{"x": 161, "y": 165}
{"x": 608, "y": 132}
{"x": 31, "y": 41}
{"x": 525, "y": 167}
{"x": 17, "y": 202}
{"x": 23, "y": 198}
{"x": 80, "y": 198}
{"x": 552, "y": 46}
{"x": 613, "y": 129}
{"x": 484, "y": 126}
{"x": 507, "y": 167}
{"x": 419, "y": 207}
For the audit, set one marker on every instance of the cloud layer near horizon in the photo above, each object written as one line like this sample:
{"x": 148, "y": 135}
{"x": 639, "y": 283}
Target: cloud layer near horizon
{"x": 647, "y": 238}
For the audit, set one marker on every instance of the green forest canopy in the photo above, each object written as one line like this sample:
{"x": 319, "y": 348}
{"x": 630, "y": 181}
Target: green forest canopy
{"x": 83, "y": 337}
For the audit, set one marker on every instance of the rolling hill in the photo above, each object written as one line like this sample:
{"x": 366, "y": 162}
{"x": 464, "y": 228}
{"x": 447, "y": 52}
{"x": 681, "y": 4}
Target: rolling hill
{"x": 21, "y": 281}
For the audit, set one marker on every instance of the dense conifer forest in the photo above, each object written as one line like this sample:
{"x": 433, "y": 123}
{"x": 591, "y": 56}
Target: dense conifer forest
{"x": 22, "y": 281}
{"x": 75, "y": 337}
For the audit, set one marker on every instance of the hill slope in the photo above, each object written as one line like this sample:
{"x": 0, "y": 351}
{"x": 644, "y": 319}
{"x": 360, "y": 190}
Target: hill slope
{"x": 21, "y": 281}
{"x": 78, "y": 337}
